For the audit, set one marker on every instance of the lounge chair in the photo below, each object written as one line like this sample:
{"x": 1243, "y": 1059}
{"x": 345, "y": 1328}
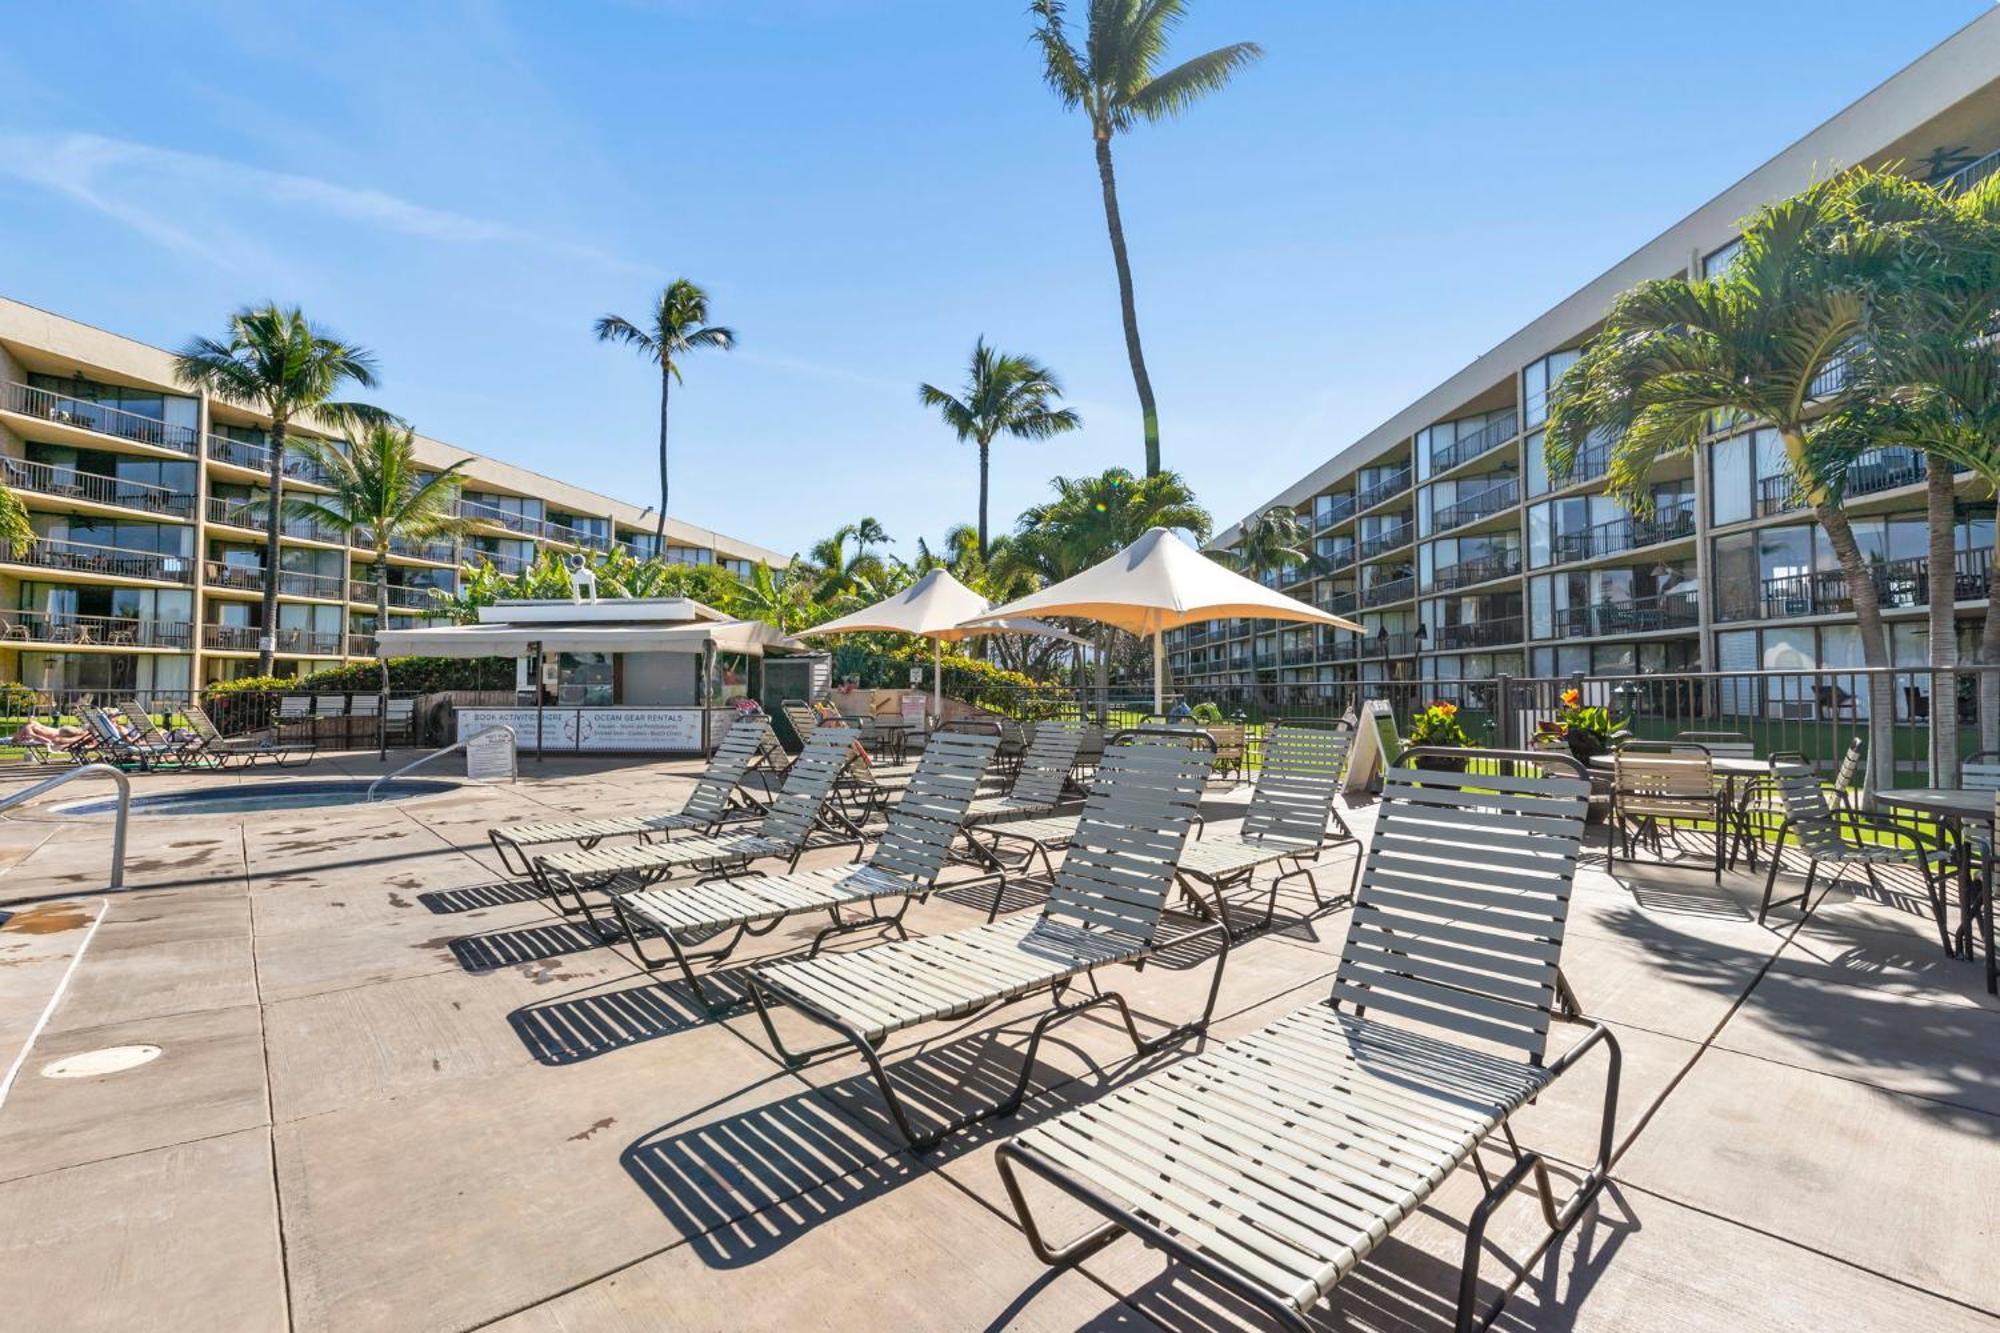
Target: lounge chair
{"x": 802, "y": 716}
{"x": 1039, "y": 785}
{"x": 905, "y": 864}
{"x": 1274, "y": 1164}
{"x": 1848, "y": 837}
{"x": 119, "y": 744}
{"x": 401, "y": 721}
{"x": 718, "y": 798}
{"x": 1292, "y": 818}
{"x": 1103, "y": 908}
{"x": 802, "y": 809}
{"x": 248, "y": 751}
{"x": 137, "y": 723}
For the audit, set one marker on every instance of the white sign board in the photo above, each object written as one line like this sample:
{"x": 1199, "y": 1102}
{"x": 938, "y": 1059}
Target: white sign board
{"x": 915, "y": 710}
{"x": 490, "y": 757}
{"x": 636, "y": 730}
{"x": 1376, "y": 744}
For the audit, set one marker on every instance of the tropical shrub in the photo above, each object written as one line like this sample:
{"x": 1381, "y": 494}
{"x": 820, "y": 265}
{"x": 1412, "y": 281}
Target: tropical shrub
{"x": 1586, "y": 728}
{"x": 1438, "y": 724}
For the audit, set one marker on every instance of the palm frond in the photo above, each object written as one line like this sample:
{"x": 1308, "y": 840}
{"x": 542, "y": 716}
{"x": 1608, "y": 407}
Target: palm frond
{"x": 1172, "y": 93}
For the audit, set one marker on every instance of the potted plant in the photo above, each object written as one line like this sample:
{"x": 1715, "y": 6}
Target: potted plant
{"x": 1438, "y": 724}
{"x": 1586, "y": 728}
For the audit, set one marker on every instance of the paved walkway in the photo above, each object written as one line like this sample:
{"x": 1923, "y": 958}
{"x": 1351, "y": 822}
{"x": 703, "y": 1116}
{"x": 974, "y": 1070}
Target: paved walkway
{"x": 394, "y": 1093}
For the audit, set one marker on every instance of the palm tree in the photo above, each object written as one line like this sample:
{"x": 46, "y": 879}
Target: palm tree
{"x": 1769, "y": 339}
{"x": 1114, "y": 79}
{"x": 275, "y": 360}
{"x": 382, "y": 495}
{"x": 1003, "y": 395}
{"x": 1270, "y": 540}
{"x": 870, "y": 532}
{"x": 16, "y": 532}
{"x": 844, "y": 577}
{"x": 1090, "y": 520}
{"x": 780, "y": 598}
{"x": 679, "y": 325}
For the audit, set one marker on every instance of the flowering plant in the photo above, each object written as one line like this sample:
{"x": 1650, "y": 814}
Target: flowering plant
{"x": 1438, "y": 725}
{"x": 1586, "y": 727}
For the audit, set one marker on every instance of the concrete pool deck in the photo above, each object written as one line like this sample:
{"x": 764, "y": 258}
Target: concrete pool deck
{"x": 395, "y": 1092}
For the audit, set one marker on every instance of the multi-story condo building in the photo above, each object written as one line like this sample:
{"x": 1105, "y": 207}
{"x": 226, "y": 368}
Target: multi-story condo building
{"x": 1442, "y": 532}
{"x": 148, "y": 503}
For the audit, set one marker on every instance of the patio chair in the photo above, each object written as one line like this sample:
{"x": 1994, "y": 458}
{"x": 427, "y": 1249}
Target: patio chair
{"x": 1980, "y": 771}
{"x": 904, "y": 865}
{"x": 400, "y": 720}
{"x": 1848, "y": 775}
{"x": 1292, "y": 818}
{"x": 1729, "y": 744}
{"x": 718, "y": 798}
{"x": 803, "y": 808}
{"x": 1848, "y": 837}
{"x": 804, "y": 719}
{"x": 1039, "y": 786}
{"x": 1657, "y": 783}
{"x": 364, "y": 716}
{"x": 295, "y": 711}
{"x": 1041, "y": 838}
{"x": 330, "y": 715}
{"x": 1103, "y": 909}
{"x": 1276, "y": 1163}
{"x": 1232, "y": 748}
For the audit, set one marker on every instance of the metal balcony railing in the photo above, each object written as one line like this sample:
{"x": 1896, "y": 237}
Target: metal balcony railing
{"x": 1899, "y": 585}
{"x": 1501, "y": 496}
{"x": 361, "y": 645}
{"x": 1340, "y": 603}
{"x": 93, "y": 631}
{"x": 1386, "y": 489}
{"x": 1482, "y": 441}
{"x": 1641, "y": 615}
{"x": 1624, "y": 534}
{"x": 1590, "y": 464}
{"x": 244, "y": 639}
{"x": 1778, "y": 495}
{"x": 1480, "y": 633}
{"x": 1885, "y": 470}
{"x": 480, "y": 512}
{"x": 1476, "y": 569}
{"x": 115, "y": 422}
{"x": 404, "y": 597}
{"x": 1387, "y": 540}
{"x": 441, "y": 552}
{"x": 1337, "y": 509}
{"x": 1390, "y": 590}
{"x": 116, "y": 561}
{"x": 70, "y": 484}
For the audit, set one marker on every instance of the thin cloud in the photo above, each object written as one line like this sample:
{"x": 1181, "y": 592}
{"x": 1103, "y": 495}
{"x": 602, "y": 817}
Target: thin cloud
{"x": 127, "y": 182}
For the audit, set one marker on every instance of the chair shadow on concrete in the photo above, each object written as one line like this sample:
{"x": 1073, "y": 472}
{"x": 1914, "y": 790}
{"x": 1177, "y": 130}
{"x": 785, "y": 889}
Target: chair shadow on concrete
{"x": 743, "y": 1187}
{"x": 1404, "y": 1287}
{"x": 583, "y": 1027}
{"x": 524, "y": 944}
{"x": 501, "y": 893}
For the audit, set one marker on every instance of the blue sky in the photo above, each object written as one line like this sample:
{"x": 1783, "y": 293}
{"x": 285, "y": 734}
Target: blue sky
{"x": 865, "y": 186}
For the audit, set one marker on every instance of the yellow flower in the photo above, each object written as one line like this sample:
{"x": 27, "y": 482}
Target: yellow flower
{"x": 1571, "y": 698}
{"x": 1448, "y": 709}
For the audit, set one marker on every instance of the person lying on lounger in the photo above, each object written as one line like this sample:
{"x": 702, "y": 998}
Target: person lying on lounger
{"x": 37, "y": 733}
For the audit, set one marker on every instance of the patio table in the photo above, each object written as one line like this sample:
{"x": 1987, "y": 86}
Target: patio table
{"x": 1952, "y": 807}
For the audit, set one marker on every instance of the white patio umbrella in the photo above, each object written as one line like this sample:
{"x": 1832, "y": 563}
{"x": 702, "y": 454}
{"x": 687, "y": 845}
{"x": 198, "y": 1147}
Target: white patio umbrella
{"x": 1160, "y": 583}
{"x": 935, "y": 607}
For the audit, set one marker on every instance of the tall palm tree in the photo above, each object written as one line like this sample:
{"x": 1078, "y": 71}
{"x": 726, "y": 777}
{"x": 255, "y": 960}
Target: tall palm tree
{"x": 1092, "y": 519}
{"x": 382, "y": 495}
{"x": 1003, "y": 395}
{"x": 847, "y": 576}
{"x": 276, "y": 361}
{"x": 1114, "y": 77}
{"x": 868, "y": 532}
{"x": 1770, "y": 340}
{"x": 1271, "y": 540}
{"x": 678, "y": 325}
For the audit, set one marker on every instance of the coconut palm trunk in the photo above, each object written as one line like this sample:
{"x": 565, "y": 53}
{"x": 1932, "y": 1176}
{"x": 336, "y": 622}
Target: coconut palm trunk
{"x": 1127, "y": 306}
{"x": 1989, "y": 658}
{"x": 1867, "y": 602}
{"x": 1941, "y": 506}
{"x": 660, "y": 528}
{"x": 985, "y": 453}
{"x": 267, "y": 642}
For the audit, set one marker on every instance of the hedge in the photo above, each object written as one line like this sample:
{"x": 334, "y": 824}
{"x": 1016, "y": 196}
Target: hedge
{"x": 407, "y": 675}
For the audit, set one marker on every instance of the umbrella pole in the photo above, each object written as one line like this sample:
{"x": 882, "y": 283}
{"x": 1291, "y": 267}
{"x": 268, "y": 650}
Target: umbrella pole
{"x": 1159, "y": 672}
{"x": 937, "y": 681}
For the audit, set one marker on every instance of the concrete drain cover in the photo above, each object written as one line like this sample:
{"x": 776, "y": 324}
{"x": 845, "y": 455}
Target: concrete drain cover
{"x": 91, "y": 1064}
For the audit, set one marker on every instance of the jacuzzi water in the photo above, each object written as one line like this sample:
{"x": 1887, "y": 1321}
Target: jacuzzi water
{"x": 252, "y": 800}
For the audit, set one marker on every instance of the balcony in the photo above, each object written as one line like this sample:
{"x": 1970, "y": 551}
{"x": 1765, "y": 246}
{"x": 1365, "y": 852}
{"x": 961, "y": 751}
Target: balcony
{"x": 1392, "y": 645}
{"x": 95, "y": 488}
{"x": 1641, "y": 615}
{"x": 409, "y": 597}
{"x": 1298, "y": 657}
{"x": 361, "y": 645}
{"x": 1386, "y": 489}
{"x": 1477, "y": 569}
{"x": 440, "y": 552}
{"x": 1495, "y": 499}
{"x": 1778, "y": 495}
{"x": 1387, "y": 540}
{"x": 257, "y": 458}
{"x": 1590, "y": 464}
{"x": 1338, "y": 509}
{"x": 114, "y": 561}
{"x": 255, "y": 515}
{"x": 1338, "y": 555}
{"x": 291, "y": 582}
{"x": 1344, "y": 648}
{"x": 1480, "y": 634}
{"x": 1624, "y": 534}
{"x": 114, "y": 422}
{"x": 1899, "y": 585}
{"x": 1482, "y": 441}
{"x": 1339, "y": 603}
{"x": 290, "y": 642}
{"x": 477, "y": 512}
{"x": 500, "y": 560}
{"x": 561, "y": 532}
{"x": 19, "y": 627}
{"x": 1390, "y": 590}
{"x": 1884, "y": 470}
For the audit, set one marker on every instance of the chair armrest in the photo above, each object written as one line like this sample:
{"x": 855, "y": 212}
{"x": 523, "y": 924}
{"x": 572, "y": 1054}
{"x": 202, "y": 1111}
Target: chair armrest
{"x": 1860, "y": 822}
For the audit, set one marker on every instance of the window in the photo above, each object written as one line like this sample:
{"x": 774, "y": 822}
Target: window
{"x": 1536, "y": 382}
{"x": 1716, "y": 261}
{"x": 1729, "y": 480}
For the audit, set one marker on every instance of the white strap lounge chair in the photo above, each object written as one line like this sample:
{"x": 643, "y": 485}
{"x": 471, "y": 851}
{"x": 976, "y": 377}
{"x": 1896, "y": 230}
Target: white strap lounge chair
{"x": 1104, "y": 908}
{"x": 801, "y": 809}
{"x": 1292, "y": 819}
{"x": 1039, "y": 786}
{"x": 1275, "y": 1163}
{"x": 905, "y": 864}
{"x": 718, "y": 798}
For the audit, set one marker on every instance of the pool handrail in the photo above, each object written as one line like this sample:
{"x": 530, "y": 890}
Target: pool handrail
{"x": 421, "y": 760}
{"x": 124, "y": 807}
